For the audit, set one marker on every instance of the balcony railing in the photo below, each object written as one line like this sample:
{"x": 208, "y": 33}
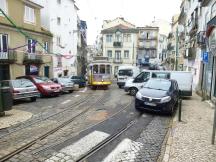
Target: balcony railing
{"x": 193, "y": 26}
{"x": 8, "y": 57}
{"x": 147, "y": 46}
{"x": 147, "y": 38}
{"x": 117, "y": 44}
{"x": 33, "y": 58}
{"x": 117, "y": 60}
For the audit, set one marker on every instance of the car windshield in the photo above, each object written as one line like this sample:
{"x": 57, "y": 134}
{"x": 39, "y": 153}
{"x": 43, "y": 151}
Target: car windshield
{"x": 41, "y": 79}
{"x": 158, "y": 84}
{"x": 126, "y": 72}
{"x": 21, "y": 83}
{"x": 64, "y": 80}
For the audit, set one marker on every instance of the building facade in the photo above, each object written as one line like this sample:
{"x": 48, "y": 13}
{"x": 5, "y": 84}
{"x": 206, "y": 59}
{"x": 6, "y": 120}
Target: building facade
{"x": 60, "y": 17}
{"x": 198, "y": 20}
{"x": 82, "y": 48}
{"x": 119, "y": 39}
{"x": 148, "y": 45}
{"x": 24, "y": 44}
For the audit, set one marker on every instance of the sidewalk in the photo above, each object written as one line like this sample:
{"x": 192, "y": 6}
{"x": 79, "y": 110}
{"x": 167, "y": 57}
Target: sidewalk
{"x": 190, "y": 140}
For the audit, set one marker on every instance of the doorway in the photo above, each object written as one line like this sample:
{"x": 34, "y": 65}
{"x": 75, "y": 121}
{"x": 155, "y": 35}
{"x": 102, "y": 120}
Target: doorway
{"x": 46, "y": 71}
{"x": 4, "y": 72}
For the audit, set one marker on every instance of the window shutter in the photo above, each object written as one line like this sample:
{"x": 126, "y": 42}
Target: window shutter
{"x": 5, "y": 43}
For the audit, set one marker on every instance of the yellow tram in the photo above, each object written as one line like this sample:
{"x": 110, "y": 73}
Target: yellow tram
{"x": 99, "y": 73}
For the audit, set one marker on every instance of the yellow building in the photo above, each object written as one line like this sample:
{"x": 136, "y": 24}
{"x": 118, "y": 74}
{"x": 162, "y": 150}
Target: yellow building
{"x": 24, "y": 44}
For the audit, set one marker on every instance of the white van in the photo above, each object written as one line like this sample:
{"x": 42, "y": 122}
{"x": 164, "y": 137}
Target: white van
{"x": 184, "y": 79}
{"x": 126, "y": 72}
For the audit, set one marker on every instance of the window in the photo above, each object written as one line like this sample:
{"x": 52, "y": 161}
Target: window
{"x": 3, "y": 43}
{"x": 59, "y": 61}
{"x": 126, "y": 54}
{"x": 3, "y": 6}
{"x": 58, "y": 20}
{"x": 46, "y": 47}
{"x": 3, "y": 46}
{"x": 118, "y": 55}
{"x": 127, "y": 37}
{"x": 108, "y": 69}
{"x": 95, "y": 69}
{"x": 59, "y": 1}
{"x": 29, "y": 15}
{"x": 109, "y": 54}
{"x": 109, "y": 38}
{"x": 102, "y": 69}
{"x": 58, "y": 40}
{"x": 213, "y": 10}
{"x": 31, "y": 45}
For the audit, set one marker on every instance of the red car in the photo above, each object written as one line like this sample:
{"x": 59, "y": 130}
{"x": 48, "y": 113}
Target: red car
{"x": 44, "y": 85}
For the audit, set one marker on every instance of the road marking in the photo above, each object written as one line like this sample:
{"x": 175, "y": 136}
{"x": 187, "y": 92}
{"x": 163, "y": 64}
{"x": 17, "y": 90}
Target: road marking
{"x": 85, "y": 144}
{"x": 84, "y": 90}
{"x": 76, "y": 95}
{"x": 65, "y": 102}
{"x": 126, "y": 148}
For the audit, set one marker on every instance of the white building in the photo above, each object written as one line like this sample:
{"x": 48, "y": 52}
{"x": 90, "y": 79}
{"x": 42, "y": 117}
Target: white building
{"x": 162, "y": 48}
{"x": 119, "y": 39}
{"x": 60, "y": 17}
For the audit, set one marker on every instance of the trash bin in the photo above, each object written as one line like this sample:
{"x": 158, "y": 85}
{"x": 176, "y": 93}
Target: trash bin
{"x": 6, "y": 99}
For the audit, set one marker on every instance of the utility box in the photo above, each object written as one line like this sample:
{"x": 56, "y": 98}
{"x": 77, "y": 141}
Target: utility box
{"x": 6, "y": 99}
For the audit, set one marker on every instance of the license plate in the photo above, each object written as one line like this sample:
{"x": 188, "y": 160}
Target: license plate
{"x": 150, "y": 104}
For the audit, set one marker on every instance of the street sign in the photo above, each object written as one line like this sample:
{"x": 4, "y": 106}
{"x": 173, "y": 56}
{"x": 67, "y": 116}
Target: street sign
{"x": 205, "y": 57}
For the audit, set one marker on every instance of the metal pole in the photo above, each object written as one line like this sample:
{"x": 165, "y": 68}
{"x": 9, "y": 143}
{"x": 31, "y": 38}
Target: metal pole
{"x": 176, "y": 56}
{"x": 180, "y": 109}
{"x": 214, "y": 127}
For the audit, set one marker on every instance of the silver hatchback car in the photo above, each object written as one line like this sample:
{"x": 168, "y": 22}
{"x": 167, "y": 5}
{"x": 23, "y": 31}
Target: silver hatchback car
{"x": 22, "y": 89}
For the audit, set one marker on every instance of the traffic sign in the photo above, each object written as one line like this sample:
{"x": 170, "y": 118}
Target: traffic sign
{"x": 205, "y": 57}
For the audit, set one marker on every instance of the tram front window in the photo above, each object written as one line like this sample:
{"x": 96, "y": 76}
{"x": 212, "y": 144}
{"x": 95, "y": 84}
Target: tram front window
{"x": 108, "y": 69}
{"x": 95, "y": 69}
{"x": 102, "y": 69}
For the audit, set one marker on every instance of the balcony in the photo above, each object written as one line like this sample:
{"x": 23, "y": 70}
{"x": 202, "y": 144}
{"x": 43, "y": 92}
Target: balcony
{"x": 8, "y": 57}
{"x": 193, "y": 27}
{"x": 141, "y": 37}
{"x": 147, "y": 45}
{"x": 201, "y": 40}
{"x": 117, "y": 60}
{"x": 117, "y": 44}
{"x": 32, "y": 58}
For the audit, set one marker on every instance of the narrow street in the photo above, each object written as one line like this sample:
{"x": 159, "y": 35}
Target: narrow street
{"x": 85, "y": 119}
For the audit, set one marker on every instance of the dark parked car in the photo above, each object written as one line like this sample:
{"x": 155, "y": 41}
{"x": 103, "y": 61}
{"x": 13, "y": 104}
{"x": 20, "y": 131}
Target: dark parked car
{"x": 81, "y": 81}
{"x": 158, "y": 95}
{"x": 66, "y": 84}
{"x": 45, "y": 86}
{"x": 22, "y": 89}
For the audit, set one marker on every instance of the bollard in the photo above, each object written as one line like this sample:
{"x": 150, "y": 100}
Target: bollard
{"x": 180, "y": 107}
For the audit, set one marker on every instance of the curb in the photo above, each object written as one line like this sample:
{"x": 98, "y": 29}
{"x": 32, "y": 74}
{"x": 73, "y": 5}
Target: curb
{"x": 169, "y": 141}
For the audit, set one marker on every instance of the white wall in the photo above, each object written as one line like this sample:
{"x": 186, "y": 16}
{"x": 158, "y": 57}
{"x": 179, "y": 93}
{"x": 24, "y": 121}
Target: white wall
{"x": 67, "y": 30}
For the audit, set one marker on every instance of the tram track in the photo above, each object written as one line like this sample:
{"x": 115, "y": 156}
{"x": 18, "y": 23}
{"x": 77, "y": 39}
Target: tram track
{"x": 50, "y": 132}
{"x": 68, "y": 108}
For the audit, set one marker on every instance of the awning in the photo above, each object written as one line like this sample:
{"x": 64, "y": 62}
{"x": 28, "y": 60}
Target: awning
{"x": 210, "y": 26}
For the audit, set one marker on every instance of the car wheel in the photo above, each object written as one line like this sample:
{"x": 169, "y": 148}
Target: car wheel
{"x": 33, "y": 99}
{"x": 2, "y": 114}
{"x": 120, "y": 86}
{"x": 133, "y": 91}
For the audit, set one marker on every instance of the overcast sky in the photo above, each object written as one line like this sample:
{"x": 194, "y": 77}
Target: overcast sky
{"x": 138, "y": 12}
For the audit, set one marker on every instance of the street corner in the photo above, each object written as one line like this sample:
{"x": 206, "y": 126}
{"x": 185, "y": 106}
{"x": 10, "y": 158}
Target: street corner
{"x": 13, "y": 117}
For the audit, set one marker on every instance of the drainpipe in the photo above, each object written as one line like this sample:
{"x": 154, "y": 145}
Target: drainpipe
{"x": 176, "y": 56}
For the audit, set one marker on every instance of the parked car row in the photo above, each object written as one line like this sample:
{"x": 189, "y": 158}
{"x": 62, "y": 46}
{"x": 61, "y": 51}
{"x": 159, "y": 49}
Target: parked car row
{"x": 159, "y": 90}
{"x": 31, "y": 86}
